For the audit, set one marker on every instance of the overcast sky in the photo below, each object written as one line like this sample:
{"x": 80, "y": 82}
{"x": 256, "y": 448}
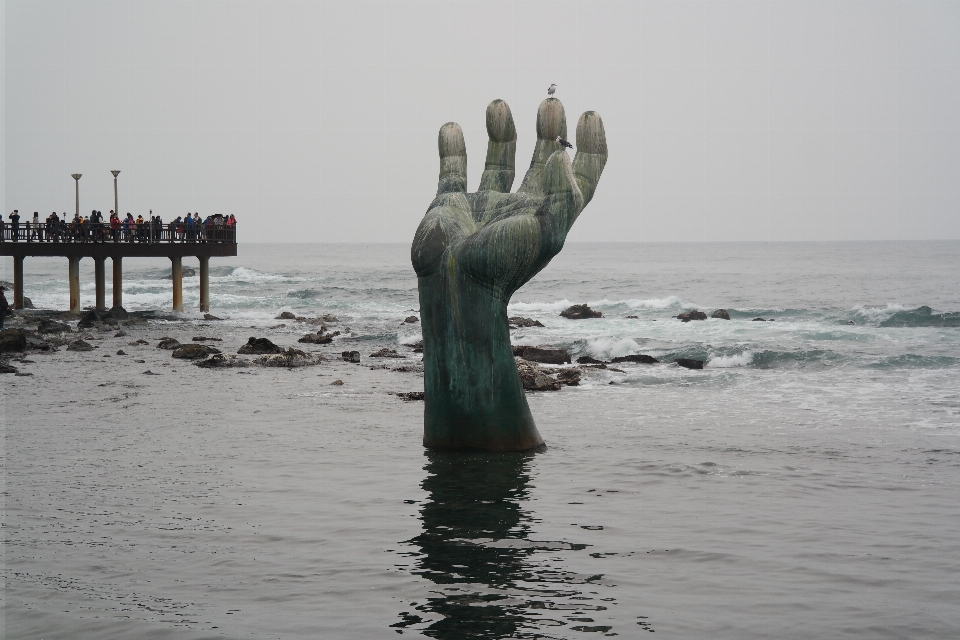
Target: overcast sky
{"x": 318, "y": 121}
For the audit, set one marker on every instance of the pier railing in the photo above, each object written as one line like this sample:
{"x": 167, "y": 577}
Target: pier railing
{"x": 145, "y": 233}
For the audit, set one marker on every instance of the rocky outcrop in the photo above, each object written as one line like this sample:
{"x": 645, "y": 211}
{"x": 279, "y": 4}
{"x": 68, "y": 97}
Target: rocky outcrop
{"x": 637, "y": 357}
{"x": 259, "y": 346}
{"x": 80, "y": 345}
{"x": 220, "y": 361}
{"x": 580, "y": 312}
{"x": 545, "y": 355}
{"x": 411, "y": 319}
{"x": 386, "y": 353}
{"x": 689, "y": 363}
{"x": 6, "y": 367}
{"x": 210, "y": 316}
{"x": 194, "y": 352}
{"x": 517, "y": 322}
{"x": 350, "y": 356}
{"x": 589, "y": 360}
{"x": 759, "y": 320}
{"x": 12, "y": 340}
{"x": 417, "y": 346}
{"x": 687, "y": 316}
{"x": 410, "y": 396}
{"x": 320, "y": 337}
{"x": 286, "y": 315}
{"x": 206, "y": 339}
{"x": 289, "y": 358}
{"x": 721, "y": 314}
{"x": 534, "y": 378}
{"x": 185, "y": 272}
{"x": 569, "y": 377}
{"x": 94, "y": 317}
{"x": 169, "y": 344}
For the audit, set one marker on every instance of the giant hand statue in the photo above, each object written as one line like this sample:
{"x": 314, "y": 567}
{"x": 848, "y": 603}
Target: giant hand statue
{"x": 472, "y": 251}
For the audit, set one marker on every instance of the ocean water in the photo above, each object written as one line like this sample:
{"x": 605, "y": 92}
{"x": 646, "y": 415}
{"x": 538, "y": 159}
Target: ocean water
{"x": 804, "y": 484}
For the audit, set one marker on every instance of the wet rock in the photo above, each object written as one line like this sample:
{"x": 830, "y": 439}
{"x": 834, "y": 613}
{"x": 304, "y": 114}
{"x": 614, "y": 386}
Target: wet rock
{"x": 185, "y": 272}
{"x": 306, "y": 320}
{"x": 137, "y": 342}
{"x": 580, "y": 312}
{"x": 329, "y": 318}
{"x": 337, "y": 383}
{"x": 417, "y": 346}
{"x": 48, "y": 326}
{"x": 849, "y": 322}
{"x": 759, "y": 320}
{"x": 350, "y": 356}
{"x": 286, "y": 315}
{"x": 414, "y": 368}
{"x": 533, "y": 377}
{"x": 569, "y": 377}
{"x": 411, "y": 396}
{"x": 637, "y": 357}
{"x": 518, "y": 350}
{"x": 95, "y": 317}
{"x": 319, "y": 337}
{"x": 210, "y": 316}
{"x": 721, "y": 314}
{"x": 140, "y": 361}
{"x": 546, "y": 355}
{"x": 259, "y": 346}
{"x": 35, "y": 343}
{"x": 687, "y": 316}
{"x": 411, "y": 319}
{"x": 221, "y": 361}
{"x": 633, "y": 317}
{"x": 7, "y": 368}
{"x": 588, "y": 360}
{"x": 194, "y": 352}
{"x": 80, "y": 345}
{"x": 168, "y": 343}
{"x": 517, "y": 322}
{"x": 289, "y": 358}
{"x": 689, "y": 363}
{"x": 20, "y": 374}
{"x": 206, "y": 339}
{"x": 386, "y": 353}
{"x": 121, "y": 352}
{"x": 120, "y": 334}
{"x": 28, "y": 304}
{"x": 150, "y": 373}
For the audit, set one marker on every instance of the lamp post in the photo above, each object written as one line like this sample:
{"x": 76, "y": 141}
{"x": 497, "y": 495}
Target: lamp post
{"x": 116, "y": 206}
{"x": 76, "y": 177}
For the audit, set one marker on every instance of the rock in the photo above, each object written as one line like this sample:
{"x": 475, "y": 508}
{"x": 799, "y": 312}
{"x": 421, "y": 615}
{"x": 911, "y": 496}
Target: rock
{"x": 569, "y": 377}
{"x": 139, "y": 341}
{"x": 517, "y": 321}
{"x": 220, "y": 361}
{"x": 633, "y": 317}
{"x": 121, "y": 352}
{"x": 350, "y": 356}
{"x": 588, "y": 360}
{"x": 518, "y": 350}
{"x": 386, "y": 353}
{"x": 687, "y": 316}
{"x": 194, "y": 351}
{"x": 258, "y": 346}
{"x": 546, "y": 355}
{"x": 22, "y": 373}
{"x": 185, "y": 272}
{"x": 80, "y": 345}
{"x": 94, "y": 317}
{"x": 28, "y": 304}
{"x": 689, "y": 363}
{"x": 758, "y": 320}
{"x": 638, "y": 357}
{"x": 150, "y": 373}
{"x": 721, "y": 314}
{"x": 580, "y": 312}
{"x": 37, "y": 344}
{"x": 206, "y": 339}
{"x": 286, "y": 315}
{"x": 118, "y": 313}
{"x": 120, "y": 334}
{"x": 289, "y": 358}
{"x": 140, "y": 361}
{"x": 210, "y": 316}
{"x": 337, "y": 383}
{"x": 417, "y": 346}
{"x": 319, "y": 337}
{"x": 329, "y": 318}
{"x": 534, "y": 379}
{"x": 849, "y": 322}
{"x": 416, "y": 368}
{"x": 410, "y": 396}
{"x": 312, "y": 321}
{"x": 168, "y": 343}
{"x": 411, "y": 319}
{"x": 48, "y": 326}
{"x": 7, "y": 368}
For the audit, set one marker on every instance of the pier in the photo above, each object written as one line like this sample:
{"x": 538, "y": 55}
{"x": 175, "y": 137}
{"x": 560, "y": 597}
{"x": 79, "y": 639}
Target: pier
{"x": 100, "y": 242}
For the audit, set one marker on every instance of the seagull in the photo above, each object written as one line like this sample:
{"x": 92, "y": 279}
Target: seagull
{"x": 564, "y": 143}
{"x": 552, "y": 90}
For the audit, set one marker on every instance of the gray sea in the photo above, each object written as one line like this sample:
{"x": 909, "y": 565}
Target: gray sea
{"x": 804, "y": 484}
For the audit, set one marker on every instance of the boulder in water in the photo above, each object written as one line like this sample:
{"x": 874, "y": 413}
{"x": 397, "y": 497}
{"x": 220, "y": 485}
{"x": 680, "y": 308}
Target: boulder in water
{"x": 185, "y": 272}
{"x": 689, "y": 363}
{"x": 411, "y": 319}
{"x": 118, "y": 313}
{"x": 517, "y": 322}
{"x": 411, "y": 396}
{"x": 259, "y": 346}
{"x": 27, "y": 303}
{"x": 12, "y": 340}
{"x": 194, "y": 351}
{"x": 580, "y": 312}
{"x": 569, "y": 376}
{"x": 48, "y": 326}
{"x": 350, "y": 356}
{"x": 80, "y": 345}
{"x": 7, "y": 368}
{"x": 168, "y": 343}
{"x": 95, "y": 317}
{"x": 721, "y": 314}
{"x": 386, "y": 353}
{"x": 588, "y": 360}
{"x": 545, "y": 355}
{"x": 636, "y": 357}
{"x": 533, "y": 377}
{"x": 759, "y": 320}
{"x": 687, "y": 316}
{"x": 417, "y": 346}
{"x": 286, "y": 315}
{"x": 319, "y": 337}
{"x": 220, "y": 361}
{"x": 210, "y": 316}
{"x": 289, "y": 358}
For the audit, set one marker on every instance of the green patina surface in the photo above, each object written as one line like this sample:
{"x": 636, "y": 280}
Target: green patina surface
{"x": 472, "y": 251}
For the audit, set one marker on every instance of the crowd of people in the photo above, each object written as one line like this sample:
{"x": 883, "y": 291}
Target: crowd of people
{"x": 93, "y": 228}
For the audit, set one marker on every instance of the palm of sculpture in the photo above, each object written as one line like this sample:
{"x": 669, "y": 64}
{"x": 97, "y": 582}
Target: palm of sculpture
{"x": 472, "y": 251}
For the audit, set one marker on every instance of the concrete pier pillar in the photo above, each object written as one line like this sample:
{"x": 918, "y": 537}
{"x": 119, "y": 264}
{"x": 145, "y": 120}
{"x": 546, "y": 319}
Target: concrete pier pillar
{"x": 204, "y": 284}
{"x": 74, "y": 272}
{"x": 18, "y": 282}
{"x": 117, "y": 281}
{"x": 177, "y": 283}
{"x": 100, "y": 275}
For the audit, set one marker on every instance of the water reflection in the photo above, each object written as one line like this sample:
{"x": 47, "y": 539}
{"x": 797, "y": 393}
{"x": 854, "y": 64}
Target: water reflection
{"x": 475, "y": 550}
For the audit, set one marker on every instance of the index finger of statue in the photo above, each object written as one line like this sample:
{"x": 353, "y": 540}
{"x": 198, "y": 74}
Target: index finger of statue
{"x": 500, "y": 168}
{"x": 591, "y": 153}
{"x": 551, "y": 124}
{"x": 453, "y": 159}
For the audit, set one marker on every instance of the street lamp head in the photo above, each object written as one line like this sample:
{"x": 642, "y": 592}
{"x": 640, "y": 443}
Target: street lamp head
{"x": 76, "y": 176}
{"x": 115, "y": 173}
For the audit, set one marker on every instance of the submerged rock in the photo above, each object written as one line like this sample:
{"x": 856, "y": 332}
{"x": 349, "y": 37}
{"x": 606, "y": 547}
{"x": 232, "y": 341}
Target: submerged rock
{"x": 689, "y": 363}
{"x": 546, "y": 355}
{"x": 259, "y": 346}
{"x": 759, "y": 320}
{"x": 533, "y": 377}
{"x": 80, "y": 345}
{"x": 7, "y": 368}
{"x": 210, "y": 316}
{"x": 350, "y": 356}
{"x": 289, "y": 358}
{"x": 319, "y": 337}
{"x": 687, "y": 316}
{"x": 220, "y": 361}
{"x": 580, "y": 312}
{"x": 410, "y": 396}
{"x": 721, "y": 314}
{"x": 168, "y": 343}
{"x": 386, "y": 353}
{"x": 194, "y": 351}
{"x": 185, "y": 272}
{"x": 517, "y": 322}
{"x": 12, "y": 340}
{"x": 637, "y": 357}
